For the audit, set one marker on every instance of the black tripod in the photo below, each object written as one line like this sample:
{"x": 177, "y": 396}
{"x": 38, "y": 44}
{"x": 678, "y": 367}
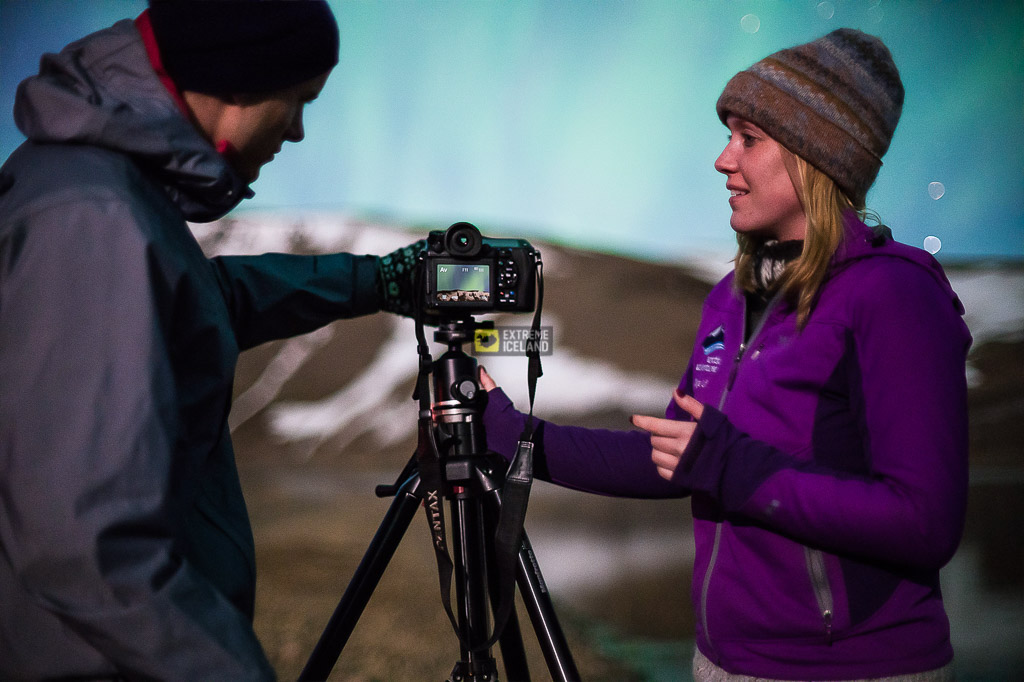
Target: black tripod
{"x": 452, "y": 463}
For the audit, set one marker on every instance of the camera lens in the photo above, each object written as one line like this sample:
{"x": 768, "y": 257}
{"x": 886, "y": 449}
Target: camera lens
{"x": 463, "y": 240}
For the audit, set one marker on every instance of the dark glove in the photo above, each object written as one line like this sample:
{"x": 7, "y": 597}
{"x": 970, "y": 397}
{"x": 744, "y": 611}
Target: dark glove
{"x": 397, "y": 280}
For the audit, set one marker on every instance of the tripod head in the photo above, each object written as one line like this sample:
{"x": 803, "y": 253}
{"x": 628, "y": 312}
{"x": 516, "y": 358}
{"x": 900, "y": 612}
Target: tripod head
{"x": 456, "y": 331}
{"x": 456, "y": 391}
{"x": 459, "y": 402}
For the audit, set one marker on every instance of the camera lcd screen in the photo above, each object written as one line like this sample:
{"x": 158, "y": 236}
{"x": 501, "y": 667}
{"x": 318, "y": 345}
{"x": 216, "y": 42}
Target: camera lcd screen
{"x": 463, "y": 283}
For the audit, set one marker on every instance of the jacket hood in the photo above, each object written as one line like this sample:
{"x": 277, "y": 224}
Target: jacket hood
{"x": 102, "y": 91}
{"x": 863, "y": 241}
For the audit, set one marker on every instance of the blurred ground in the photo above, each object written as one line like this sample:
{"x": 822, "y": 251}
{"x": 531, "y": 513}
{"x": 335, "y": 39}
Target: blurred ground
{"x": 307, "y": 552}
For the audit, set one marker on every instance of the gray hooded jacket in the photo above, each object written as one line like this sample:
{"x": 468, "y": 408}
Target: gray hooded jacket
{"x": 125, "y": 545}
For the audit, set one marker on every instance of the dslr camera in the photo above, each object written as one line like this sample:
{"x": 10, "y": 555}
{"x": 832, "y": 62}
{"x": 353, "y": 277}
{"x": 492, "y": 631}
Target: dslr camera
{"x": 467, "y": 273}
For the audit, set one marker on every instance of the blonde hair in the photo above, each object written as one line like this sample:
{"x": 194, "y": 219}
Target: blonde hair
{"x": 824, "y": 205}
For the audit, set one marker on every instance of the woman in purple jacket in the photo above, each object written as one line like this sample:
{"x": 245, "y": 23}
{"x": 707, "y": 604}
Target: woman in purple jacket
{"x": 820, "y": 427}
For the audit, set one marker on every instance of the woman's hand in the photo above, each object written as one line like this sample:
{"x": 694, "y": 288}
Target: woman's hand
{"x": 486, "y": 382}
{"x": 669, "y": 437}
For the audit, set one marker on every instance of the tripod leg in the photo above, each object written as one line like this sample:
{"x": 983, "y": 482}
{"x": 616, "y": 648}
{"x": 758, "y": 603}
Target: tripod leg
{"x": 396, "y": 521}
{"x": 542, "y": 614}
{"x": 469, "y": 555}
{"x": 537, "y": 600}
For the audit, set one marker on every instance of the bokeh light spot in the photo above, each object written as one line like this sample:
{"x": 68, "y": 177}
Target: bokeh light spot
{"x": 750, "y": 23}
{"x": 932, "y": 244}
{"x": 936, "y": 190}
{"x": 826, "y": 10}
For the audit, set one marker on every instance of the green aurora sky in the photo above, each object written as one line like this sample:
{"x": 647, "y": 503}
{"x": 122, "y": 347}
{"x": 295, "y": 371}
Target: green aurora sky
{"x": 592, "y": 122}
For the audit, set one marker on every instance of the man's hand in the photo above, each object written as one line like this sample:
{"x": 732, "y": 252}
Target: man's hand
{"x": 669, "y": 437}
{"x": 397, "y": 279}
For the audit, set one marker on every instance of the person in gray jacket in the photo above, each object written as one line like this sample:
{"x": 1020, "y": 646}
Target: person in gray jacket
{"x": 125, "y": 545}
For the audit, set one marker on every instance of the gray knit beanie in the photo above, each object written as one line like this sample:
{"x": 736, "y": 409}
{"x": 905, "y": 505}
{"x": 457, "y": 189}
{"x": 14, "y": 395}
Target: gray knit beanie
{"x": 834, "y": 102}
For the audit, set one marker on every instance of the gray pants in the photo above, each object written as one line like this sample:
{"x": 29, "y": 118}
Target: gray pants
{"x": 706, "y": 671}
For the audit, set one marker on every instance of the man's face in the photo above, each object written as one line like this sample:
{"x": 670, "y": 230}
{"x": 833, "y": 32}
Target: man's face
{"x": 254, "y": 128}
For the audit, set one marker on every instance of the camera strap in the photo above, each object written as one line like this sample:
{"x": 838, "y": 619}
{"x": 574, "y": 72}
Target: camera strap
{"x": 429, "y": 460}
{"x": 508, "y": 536}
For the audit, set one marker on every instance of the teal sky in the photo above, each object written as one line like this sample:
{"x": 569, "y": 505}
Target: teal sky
{"x": 592, "y": 122}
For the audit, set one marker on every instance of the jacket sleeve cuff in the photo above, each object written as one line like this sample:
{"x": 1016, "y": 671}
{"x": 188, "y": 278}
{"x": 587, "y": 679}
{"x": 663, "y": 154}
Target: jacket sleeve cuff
{"x": 502, "y": 424}
{"x": 366, "y": 285}
{"x": 726, "y": 464}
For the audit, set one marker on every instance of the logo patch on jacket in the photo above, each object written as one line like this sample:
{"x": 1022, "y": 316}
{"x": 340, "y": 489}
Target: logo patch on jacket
{"x": 714, "y": 341}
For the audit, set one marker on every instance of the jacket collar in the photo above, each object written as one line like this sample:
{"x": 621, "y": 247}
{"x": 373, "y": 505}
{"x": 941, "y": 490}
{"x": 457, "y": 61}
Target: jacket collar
{"x": 863, "y": 241}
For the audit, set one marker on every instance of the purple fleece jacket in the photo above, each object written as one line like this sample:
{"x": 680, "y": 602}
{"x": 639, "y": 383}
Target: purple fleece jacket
{"x": 828, "y": 474}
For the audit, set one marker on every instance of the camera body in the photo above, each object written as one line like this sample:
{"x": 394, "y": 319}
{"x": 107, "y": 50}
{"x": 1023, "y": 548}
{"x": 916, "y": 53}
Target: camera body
{"x": 467, "y": 273}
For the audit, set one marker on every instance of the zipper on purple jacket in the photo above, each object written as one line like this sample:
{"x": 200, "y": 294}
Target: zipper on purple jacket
{"x": 705, "y": 586}
{"x": 822, "y": 590}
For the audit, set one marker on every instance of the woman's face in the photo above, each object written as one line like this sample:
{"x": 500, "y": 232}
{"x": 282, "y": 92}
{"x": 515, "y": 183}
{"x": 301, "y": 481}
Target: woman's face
{"x": 763, "y": 200}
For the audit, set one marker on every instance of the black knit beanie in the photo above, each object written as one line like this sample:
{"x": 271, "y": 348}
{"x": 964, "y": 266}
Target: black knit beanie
{"x": 835, "y": 102}
{"x": 244, "y": 46}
